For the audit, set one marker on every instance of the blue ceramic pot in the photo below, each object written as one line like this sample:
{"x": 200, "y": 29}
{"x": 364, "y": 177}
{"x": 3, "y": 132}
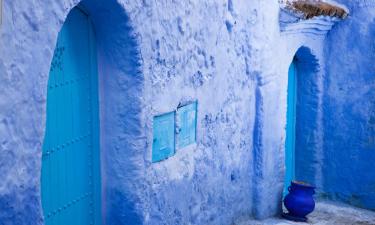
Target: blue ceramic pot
{"x": 299, "y": 201}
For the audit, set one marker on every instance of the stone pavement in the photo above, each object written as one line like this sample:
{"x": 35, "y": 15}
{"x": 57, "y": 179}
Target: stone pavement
{"x": 326, "y": 213}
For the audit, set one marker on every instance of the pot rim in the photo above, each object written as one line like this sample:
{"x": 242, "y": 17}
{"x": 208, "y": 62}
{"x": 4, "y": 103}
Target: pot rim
{"x": 302, "y": 184}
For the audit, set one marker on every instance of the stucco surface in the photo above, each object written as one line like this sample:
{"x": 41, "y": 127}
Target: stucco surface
{"x": 230, "y": 56}
{"x": 349, "y": 145}
{"x": 186, "y": 50}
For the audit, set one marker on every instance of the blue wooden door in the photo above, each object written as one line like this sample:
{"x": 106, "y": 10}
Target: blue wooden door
{"x": 70, "y": 161}
{"x": 291, "y": 126}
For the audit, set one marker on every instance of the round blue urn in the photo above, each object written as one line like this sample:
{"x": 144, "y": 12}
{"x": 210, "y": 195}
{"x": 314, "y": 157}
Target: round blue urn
{"x": 299, "y": 202}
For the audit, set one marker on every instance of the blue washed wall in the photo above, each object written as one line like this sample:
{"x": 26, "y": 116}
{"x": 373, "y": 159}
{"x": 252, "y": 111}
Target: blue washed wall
{"x": 349, "y": 109}
{"x": 152, "y": 56}
{"x": 307, "y": 115}
{"x": 229, "y": 55}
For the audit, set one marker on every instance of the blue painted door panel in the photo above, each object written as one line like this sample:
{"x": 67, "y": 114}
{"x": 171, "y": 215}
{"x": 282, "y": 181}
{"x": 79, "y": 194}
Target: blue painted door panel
{"x": 290, "y": 126}
{"x": 70, "y": 179}
{"x": 163, "y": 145}
{"x": 187, "y": 123}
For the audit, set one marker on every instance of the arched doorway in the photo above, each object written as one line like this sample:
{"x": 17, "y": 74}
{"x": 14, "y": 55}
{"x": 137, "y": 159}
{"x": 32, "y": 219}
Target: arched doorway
{"x": 302, "y": 144}
{"x": 70, "y": 179}
{"x": 291, "y": 126}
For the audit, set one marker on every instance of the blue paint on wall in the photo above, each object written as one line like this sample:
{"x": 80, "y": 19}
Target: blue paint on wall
{"x": 349, "y": 146}
{"x": 11, "y": 203}
{"x": 121, "y": 86}
{"x": 124, "y": 212}
{"x": 307, "y": 109}
{"x": 184, "y": 54}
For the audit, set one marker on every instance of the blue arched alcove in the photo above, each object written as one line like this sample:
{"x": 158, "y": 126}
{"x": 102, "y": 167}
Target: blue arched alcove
{"x": 302, "y": 117}
{"x": 120, "y": 89}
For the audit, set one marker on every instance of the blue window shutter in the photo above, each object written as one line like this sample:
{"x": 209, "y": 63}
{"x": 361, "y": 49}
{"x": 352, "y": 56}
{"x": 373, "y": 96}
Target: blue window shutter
{"x": 187, "y": 124}
{"x": 163, "y": 145}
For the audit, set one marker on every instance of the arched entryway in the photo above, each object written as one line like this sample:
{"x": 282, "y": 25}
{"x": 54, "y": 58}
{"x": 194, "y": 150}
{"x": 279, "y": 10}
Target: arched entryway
{"x": 302, "y": 125}
{"x": 70, "y": 179}
{"x": 116, "y": 93}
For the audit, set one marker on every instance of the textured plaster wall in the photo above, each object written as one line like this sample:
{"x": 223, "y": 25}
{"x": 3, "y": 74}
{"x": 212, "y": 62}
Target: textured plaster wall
{"x": 349, "y": 109}
{"x": 308, "y": 117}
{"x": 201, "y": 50}
{"x": 229, "y": 55}
{"x": 269, "y": 153}
{"x": 186, "y": 50}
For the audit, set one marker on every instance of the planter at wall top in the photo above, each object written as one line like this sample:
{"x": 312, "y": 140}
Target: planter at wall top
{"x": 299, "y": 202}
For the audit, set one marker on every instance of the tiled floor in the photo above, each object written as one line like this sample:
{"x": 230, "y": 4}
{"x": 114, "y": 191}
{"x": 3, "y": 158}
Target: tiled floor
{"x": 326, "y": 213}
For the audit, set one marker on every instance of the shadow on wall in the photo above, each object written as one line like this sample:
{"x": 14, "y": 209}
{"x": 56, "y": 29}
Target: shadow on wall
{"x": 307, "y": 120}
{"x": 120, "y": 91}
